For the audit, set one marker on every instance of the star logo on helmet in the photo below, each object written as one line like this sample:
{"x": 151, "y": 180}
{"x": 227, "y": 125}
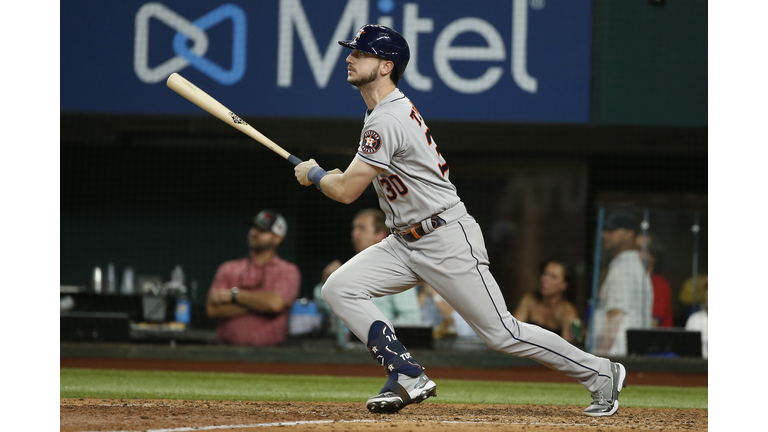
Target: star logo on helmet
{"x": 359, "y": 33}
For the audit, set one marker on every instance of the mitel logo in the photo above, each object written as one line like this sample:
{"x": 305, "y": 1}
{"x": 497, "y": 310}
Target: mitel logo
{"x": 293, "y": 19}
{"x": 185, "y": 31}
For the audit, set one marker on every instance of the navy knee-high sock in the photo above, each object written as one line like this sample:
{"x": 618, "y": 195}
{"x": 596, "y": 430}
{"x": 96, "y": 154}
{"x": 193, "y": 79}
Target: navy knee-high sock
{"x": 386, "y": 349}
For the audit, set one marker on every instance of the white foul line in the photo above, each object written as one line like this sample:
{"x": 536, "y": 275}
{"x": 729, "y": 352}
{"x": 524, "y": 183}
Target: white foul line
{"x": 242, "y": 426}
{"x": 292, "y": 423}
{"x": 307, "y": 422}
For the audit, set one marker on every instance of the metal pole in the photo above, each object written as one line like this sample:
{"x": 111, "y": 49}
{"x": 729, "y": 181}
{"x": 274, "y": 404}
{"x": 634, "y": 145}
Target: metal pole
{"x": 695, "y": 278}
{"x": 644, "y": 226}
{"x": 595, "y": 279}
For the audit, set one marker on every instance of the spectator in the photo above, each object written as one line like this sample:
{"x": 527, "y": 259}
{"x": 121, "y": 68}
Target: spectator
{"x": 698, "y": 321}
{"x": 652, "y": 255}
{"x": 687, "y": 296}
{"x": 626, "y": 296}
{"x": 547, "y": 307}
{"x": 252, "y": 296}
{"x": 369, "y": 228}
{"x": 435, "y": 312}
{"x": 438, "y": 314}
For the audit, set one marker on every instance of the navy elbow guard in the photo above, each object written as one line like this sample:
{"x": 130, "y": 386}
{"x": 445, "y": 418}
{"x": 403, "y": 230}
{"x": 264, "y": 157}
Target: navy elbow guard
{"x": 316, "y": 174}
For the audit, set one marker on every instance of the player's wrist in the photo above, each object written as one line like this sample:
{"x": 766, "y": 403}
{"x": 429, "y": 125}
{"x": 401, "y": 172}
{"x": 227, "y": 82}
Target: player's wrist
{"x": 315, "y": 174}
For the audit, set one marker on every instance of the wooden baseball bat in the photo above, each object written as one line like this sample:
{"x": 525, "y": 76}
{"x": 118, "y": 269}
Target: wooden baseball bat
{"x": 182, "y": 86}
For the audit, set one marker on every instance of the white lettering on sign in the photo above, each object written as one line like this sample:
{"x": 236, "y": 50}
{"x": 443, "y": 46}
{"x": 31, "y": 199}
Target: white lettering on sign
{"x": 412, "y": 26}
{"x": 520, "y": 47}
{"x": 445, "y": 52}
{"x": 293, "y": 17}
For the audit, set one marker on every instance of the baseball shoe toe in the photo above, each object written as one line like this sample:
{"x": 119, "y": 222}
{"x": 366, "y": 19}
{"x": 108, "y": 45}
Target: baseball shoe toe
{"x": 401, "y": 390}
{"x": 385, "y": 402}
{"x": 605, "y": 401}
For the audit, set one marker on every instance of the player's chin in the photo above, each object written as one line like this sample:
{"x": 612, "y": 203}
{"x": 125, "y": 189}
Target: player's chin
{"x": 354, "y": 82}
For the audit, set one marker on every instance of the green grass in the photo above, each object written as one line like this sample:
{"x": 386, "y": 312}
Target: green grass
{"x": 128, "y": 384}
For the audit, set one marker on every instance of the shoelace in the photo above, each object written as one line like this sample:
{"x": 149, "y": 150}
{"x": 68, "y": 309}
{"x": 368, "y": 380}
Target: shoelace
{"x": 598, "y": 398}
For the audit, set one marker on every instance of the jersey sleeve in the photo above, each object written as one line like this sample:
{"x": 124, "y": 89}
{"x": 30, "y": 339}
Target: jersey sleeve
{"x": 382, "y": 138}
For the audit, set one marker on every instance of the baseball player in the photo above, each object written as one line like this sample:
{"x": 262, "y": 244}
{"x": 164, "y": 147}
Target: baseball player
{"x": 433, "y": 240}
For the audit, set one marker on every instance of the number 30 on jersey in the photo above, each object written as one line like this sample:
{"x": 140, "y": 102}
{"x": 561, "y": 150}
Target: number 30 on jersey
{"x": 393, "y": 184}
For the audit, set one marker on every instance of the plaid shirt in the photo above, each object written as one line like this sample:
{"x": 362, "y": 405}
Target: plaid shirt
{"x": 277, "y": 276}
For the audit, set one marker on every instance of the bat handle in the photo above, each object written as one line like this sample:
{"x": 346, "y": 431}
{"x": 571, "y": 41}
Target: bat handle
{"x": 294, "y": 160}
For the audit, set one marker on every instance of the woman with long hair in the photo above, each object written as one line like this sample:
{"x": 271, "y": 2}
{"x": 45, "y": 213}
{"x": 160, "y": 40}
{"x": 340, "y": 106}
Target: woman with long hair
{"x": 548, "y": 307}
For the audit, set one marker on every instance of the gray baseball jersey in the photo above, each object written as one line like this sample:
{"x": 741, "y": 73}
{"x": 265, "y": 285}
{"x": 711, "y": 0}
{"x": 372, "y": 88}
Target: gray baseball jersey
{"x": 414, "y": 184}
{"x": 452, "y": 258}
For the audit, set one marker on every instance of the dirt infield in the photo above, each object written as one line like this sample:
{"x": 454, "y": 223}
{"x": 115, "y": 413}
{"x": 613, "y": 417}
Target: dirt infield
{"x": 169, "y": 415}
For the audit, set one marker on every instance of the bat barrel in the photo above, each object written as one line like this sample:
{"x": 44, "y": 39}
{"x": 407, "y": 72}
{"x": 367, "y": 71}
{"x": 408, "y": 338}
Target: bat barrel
{"x": 191, "y": 92}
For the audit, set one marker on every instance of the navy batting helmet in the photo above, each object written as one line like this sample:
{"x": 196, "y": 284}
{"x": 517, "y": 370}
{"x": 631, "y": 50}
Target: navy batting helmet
{"x": 383, "y": 42}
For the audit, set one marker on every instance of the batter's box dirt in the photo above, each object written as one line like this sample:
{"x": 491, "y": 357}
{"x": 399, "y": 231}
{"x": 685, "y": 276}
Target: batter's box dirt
{"x": 167, "y": 415}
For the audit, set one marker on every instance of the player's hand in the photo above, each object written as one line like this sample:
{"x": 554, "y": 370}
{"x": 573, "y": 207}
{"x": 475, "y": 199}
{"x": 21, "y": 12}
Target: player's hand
{"x": 301, "y": 171}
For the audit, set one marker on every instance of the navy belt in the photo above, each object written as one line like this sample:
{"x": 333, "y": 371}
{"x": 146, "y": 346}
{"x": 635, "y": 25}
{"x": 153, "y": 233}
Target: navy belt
{"x": 417, "y": 232}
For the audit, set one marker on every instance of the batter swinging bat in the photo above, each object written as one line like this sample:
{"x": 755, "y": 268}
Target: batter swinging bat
{"x": 202, "y": 99}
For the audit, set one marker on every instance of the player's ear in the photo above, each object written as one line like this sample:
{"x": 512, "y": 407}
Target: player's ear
{"x": 389, "y": 66}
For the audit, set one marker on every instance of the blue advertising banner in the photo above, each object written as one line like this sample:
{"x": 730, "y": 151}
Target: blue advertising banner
{"x": 481, "y": 60}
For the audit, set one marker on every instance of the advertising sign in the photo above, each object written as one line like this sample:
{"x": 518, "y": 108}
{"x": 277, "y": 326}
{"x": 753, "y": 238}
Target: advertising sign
{"x": 484, "y": 60}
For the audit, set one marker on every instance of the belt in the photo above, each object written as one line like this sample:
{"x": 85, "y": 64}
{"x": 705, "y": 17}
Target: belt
{"x": 418, "y": 232}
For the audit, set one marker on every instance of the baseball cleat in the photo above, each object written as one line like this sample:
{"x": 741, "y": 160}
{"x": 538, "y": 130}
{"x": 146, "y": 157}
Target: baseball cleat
{"x": 605, "y": 402}
{"x": 409, "y": 390}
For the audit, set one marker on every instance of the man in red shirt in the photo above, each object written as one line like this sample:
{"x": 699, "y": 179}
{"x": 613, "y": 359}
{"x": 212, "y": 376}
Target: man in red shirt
{"x": 652, "y": 255}
{"x": 253, "y": 295}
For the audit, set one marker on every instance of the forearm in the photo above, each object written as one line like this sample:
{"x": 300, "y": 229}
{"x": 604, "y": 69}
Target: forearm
{"x": 567, "y": 334}
{"x": 522, "y": 313}
{"x": 344, "y": 187}
{"x": 223, "y": 303}
{"x": 445, "y": 309}
{"x": 335, "y": 187}
{"x": 225, "y": 310}
{"x": 609, "y": 331}
{"x": 261, "y": 302}
{"x": 567, "y": 325}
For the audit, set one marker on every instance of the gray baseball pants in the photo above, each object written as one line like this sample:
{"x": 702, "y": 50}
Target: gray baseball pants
{"x": 454, "y": 261}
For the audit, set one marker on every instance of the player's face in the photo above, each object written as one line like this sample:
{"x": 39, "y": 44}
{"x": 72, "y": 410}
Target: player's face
{"x": 362, "y": 68}
{"x": 364, "y": 233}
{"x": 553, "y": 279}
{"x": 260, "y": 240}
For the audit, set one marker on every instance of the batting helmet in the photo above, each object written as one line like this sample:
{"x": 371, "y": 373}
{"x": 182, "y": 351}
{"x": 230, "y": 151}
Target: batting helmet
{"x": 383, "y": 42}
